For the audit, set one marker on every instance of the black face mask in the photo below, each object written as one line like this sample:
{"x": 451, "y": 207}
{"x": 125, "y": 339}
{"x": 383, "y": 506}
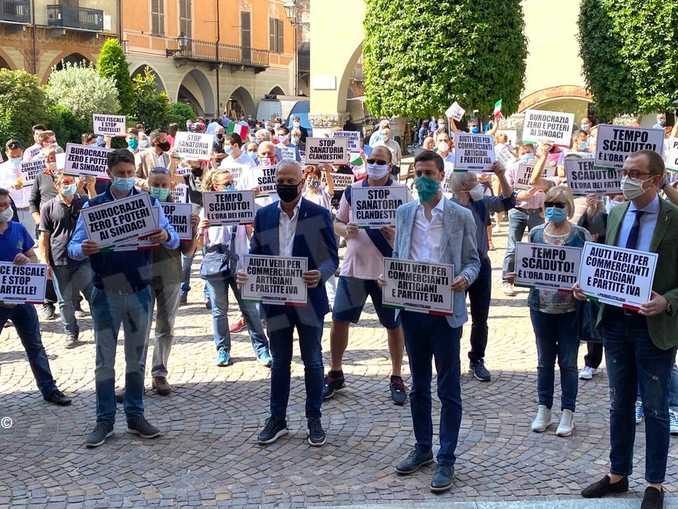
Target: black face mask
{"x": 164, "y": 146}
{"x": 220, "y": 136}
{"x": 288, "y": 193}
{"x": 197, "y": 171}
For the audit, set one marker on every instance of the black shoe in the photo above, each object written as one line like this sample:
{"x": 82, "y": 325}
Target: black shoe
{"x": 274, "y": 428}
{"x": 398, "y": 390}
{"x": 479, "y": 371}
{"x": 72, "y": 341}
{"x": 48, "y": 312}
{"x": 653, "y": 499}
{"x": 208, "y": 304}
{"x": 102, "y": 431}
{"x": 414, "y": 461}
{"x": 442, "y": 478}
{"x": 58, "y": 398}
{"x": 334, "y": 381}
{"x": 138, "y": 425}
{"x": 316, "y": 434}
{"x": 603, "y": 488}
{"x": 183, "y": 300}
{"x": 120, "y": 395}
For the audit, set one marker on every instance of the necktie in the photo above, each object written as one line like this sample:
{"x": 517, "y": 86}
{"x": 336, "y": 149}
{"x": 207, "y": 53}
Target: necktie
{"x": 632, "y": 241}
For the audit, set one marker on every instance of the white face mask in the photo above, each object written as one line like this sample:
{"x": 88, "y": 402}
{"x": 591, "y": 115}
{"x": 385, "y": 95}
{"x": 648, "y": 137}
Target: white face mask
{"x": 377, "y": 171}
{"x": 632, "y": 188}
{"x": 6, "y": 215}
{"x": 477, "y": 192}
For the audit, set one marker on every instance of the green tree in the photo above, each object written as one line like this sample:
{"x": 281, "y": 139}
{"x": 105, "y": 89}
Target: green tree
{"x": 179, "y": 113}
{"x": 419, "y": 57}
{"x": 630, "y": 53}
{"x": 113, "y": 64}
{"x": 22, "y": 104}
{"x": 150, "y": 105}
{"x": 66, "y": 126}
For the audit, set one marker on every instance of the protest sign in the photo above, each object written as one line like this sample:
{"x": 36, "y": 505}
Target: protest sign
{"x": 288, "y": 152}
{"x": 109, "y": 125}
{"x": 417, "y": 286}
{"x": 615, "y": 143}
{"x": 584, "y": 177}
{"x": 523, "y": 176}
{"x": 671, "y": 158}
{"x": 547, "y": 266}
{"x": 30, "y": 171}
{"x": 352, "y": 137}
{"x": 193, "y": 146}
{"x": 86, "y": 160}
{"x": 617, "y": 276}
{"x": 180, "y": 193}
{"x": 61, "y": 161}
{"x": 473, "y": 152}
{"x": 20, "y": 284}
{"x": 341, "y": 180}
{"x": 139, "y": 243}
{"x": 327, "y": 150}
{"x": 511, "y": 134}
{"x": 266, "y": 181}
{"x": 376, "y": 206}
{"x": 455, "y": 112}
{"x": 182, "y": 170}
{"x": 275, "y": 279}
{"x": 552, "y": 127}
{"x": 120, "y": 220}
{"x": 504, "y": 155}
{"x": 179, "y": 216}
{"x": 229, "y": 207}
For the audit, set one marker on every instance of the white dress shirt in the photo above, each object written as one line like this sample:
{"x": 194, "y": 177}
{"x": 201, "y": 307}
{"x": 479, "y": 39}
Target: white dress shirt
{"x": 287, "y": 229}
{"x": 425, "y": 245}
{"x": 647, "y": 224}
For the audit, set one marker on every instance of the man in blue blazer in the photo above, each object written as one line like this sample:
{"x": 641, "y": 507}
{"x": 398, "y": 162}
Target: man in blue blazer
{"x": 434, "y": 229}
{"x": 296, "y": 227}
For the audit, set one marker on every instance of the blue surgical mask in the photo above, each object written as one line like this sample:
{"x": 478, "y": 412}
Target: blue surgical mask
{"x": 15, "y": 161}
{"x": 583, "y": 146}
{"x": 555, "y": 215}
{"x": 133, "y": 143}
{"x": 123, "y": 184}
{"x": 252, "y": 154}
{"x": 229, "y": 187}
{"x": 228, "y": 149}
{"x": 159, "y": 193}
{"x": 69, "y": 190}
{"x": 475, "y": 130}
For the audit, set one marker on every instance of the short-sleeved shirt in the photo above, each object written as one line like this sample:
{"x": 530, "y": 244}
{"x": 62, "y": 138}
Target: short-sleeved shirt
{"x": 59, "y": 220}
{"x": 14, "y": 240}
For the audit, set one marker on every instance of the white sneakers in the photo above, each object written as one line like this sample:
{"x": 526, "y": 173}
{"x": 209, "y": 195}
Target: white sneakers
{"x": 508, "y": 289}
{"x": 542, "y": 422}
{"x": 587, "y": 372}
{"x": 673, "y": 422}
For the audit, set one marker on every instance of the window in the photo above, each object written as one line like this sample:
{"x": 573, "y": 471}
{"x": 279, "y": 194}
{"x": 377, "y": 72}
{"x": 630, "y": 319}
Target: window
{"x": 246, "y": 36}
{"x": 276, "y": 35}
{"x": 158, "y": 17}
{"x": 185, "y": 21}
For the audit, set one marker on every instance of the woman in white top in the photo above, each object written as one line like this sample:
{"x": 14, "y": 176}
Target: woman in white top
{"x": 315, "y": 190}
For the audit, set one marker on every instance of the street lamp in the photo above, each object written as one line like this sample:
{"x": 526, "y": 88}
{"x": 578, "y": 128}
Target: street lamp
{"x": 182, "y": 46}
{"x": 291, "y": 12}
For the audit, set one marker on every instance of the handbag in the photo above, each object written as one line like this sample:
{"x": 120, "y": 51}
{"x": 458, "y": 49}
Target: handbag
{"x": 219, "y": 262}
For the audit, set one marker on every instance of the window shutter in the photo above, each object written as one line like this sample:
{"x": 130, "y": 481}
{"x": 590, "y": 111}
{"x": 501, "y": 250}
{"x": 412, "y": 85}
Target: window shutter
{"x": 281, "y": 37}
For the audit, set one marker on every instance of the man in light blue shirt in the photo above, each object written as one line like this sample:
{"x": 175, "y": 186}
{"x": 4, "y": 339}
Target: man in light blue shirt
{"x": 647, "y": 221}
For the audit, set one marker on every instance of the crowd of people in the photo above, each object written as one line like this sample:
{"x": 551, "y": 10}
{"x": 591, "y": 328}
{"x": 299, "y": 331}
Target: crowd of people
{"x": 449, "y": 218}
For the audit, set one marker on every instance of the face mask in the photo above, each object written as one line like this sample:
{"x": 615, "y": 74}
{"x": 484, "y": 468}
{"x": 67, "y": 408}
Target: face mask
{"x": 314, "y": 184}
{"x": 555, "y": 215}
{"x": 123, "y": 184}
{"x": 144, "y": 143}
{"x": 477, "y": 192}
{"x": 475, "y": 130}
{"x": 632, "y": 188}
{"x": 288, "y": 193}
{"x": 6, "y": 215}
{"x": 133, "y": 144}
{"x": 164, "y": 146}
{"x": 377, "y": 171}
{"x": 585, "y": 127}
{"x": 220, "y": 136}
{"x": 15, "y": 161}
{"x": 69, "y": 190}
{"x": 159, "y": 193}
{"x": 527, "y": 157}
{"x": 662, "y": 122}
{"x": 228, "y": 149}
{"x": 583, "y": 146}
{"x": 443, "y": 146}
{"x": 252, "y": 154}
{"x": 427, "y": 188}
{"x": 229, "y": 187}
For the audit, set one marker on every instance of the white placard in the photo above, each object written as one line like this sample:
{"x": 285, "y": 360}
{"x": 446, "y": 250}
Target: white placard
{"x": 86, "y": 160}
{"x": 287, "y": 152}
{"x": 275, "y": 279}
{"x": 327, "y": 150}
{"x": 193, "y": 146}
{"x": 31, "y": 171}
{"x": 473, "y": 152}
{"x": 376, "y": 206}
{"x": 179, "y": 216}
{"x": 353, "y": 138}
{"x": 139, "y": 244}
{"x": 417, "y": 286}
{"x": 523, "y": 176}
{"x": 180, "y": 193}
{"x": 109, "y": 125}
{"x": 552, "y": 127}
{"x": 229, "y": 207}
{"x": 672, "y": 154}
{"x": 547, "y": 266}
{"x": 182, "y": 170}
{"x": 20, "y": 284}
{"x": 617, "y": 276}
{"x": 585, "y": 178}
{"x": 455, "y": 112}
{"x": 341, "y": 180}
{"x": 266, "y": 181}
{"x": 119, "y": 220}
{"x": 615, "y": 143}
{"x": 505, "y": 156}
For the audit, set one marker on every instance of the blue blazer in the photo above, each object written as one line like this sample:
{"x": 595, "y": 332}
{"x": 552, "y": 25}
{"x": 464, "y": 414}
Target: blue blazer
{"x": 314, "y": 239}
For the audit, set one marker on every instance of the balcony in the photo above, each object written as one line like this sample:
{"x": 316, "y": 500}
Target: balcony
{"x": 76, "y": 18}
{"x": 15, "y": 11}
{"x": 210, "y": 52}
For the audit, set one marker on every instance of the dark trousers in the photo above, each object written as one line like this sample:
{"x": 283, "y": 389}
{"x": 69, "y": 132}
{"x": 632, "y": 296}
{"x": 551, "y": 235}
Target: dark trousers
{"x": 594, "y": 354}
{"x": 281, "y": 346}
{"x": 480, "y": 295}
{"x": 633, "y": 361}
{"x": 431, "y": 338}
{"x": 25, "y": 320}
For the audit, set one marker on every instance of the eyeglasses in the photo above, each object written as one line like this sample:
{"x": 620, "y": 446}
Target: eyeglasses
{"x": 556, "y": 204}
{"x": 376, "y": 161}
{"x": 635, "y": 174}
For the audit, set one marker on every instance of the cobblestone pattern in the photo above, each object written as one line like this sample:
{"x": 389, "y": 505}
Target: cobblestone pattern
{"x": 208, "y": 456}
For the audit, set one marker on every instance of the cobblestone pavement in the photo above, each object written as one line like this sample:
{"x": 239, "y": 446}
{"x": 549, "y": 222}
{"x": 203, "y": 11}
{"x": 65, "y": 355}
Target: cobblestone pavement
{"x": 208, "y": 456}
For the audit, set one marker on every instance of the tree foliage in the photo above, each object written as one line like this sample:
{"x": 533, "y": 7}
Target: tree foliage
{"x": 421, "y": 56}
{"x": 179, "y": 113}
{"x": 66, "y": 126}
{"x": 150, "y": 105}
{"x": 113, "y": 64}
{"x": 630, "y": 54}
{"x": 22, "y": 104}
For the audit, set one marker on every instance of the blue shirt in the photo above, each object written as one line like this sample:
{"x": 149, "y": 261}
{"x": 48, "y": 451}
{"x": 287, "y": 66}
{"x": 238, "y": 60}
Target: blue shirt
{"x": 647, "y": 224}
{"x": 14, "y": 240}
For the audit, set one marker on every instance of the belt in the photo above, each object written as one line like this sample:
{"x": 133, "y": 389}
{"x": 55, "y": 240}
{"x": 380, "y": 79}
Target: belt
{"x": 527, "y": 211}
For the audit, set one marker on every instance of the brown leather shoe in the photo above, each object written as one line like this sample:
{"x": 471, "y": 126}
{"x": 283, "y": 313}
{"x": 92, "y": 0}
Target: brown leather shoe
{"x": 161, "y": 386}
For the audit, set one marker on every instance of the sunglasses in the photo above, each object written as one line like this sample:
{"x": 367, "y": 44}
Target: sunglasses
{"x": 556, "y": 204}
{"x": 376, "y": 161}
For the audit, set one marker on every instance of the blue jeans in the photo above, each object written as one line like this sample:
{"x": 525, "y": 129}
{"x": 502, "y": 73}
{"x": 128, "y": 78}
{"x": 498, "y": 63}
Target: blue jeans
{"x": 426, "y": 338}
{"x": 217, "y": 290}
{"x": 69, "y": 281}
{"x": 518, "y": 222}
{"x": 556, "y": 336}
{"x": 109, "y": 311}
{"x": 25, "y": 320}
{"x": 480, "y": 295}
{"x": 633, "y": 360}
{"x": 311, "y": 354}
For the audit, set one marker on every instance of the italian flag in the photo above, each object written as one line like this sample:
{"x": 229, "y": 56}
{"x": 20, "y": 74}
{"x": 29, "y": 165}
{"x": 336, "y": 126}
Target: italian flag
{"x": 497, "y": 109}
{"x": 238, "y": 128}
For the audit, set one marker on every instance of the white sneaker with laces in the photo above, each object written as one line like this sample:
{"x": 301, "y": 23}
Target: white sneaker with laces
{"x": 542, "y": 420}
{"x": 673, "y": 422}
{"x": 587, "y": 373}
{"x": 508, "y": 289}
{"x": 566, "y": 426}
{"x": 639, "y": 412}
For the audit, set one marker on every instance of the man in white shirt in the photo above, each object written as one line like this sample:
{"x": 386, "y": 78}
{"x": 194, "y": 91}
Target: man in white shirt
{"x": 34, "y": 149}
{"x": 10, "y": 175}
{"x": 392, "y": 145}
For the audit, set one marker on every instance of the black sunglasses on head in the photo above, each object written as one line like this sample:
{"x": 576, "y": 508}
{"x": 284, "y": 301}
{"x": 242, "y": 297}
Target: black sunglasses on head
{"x": 556, "y": 204}
{"x": 376, "y": 161}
